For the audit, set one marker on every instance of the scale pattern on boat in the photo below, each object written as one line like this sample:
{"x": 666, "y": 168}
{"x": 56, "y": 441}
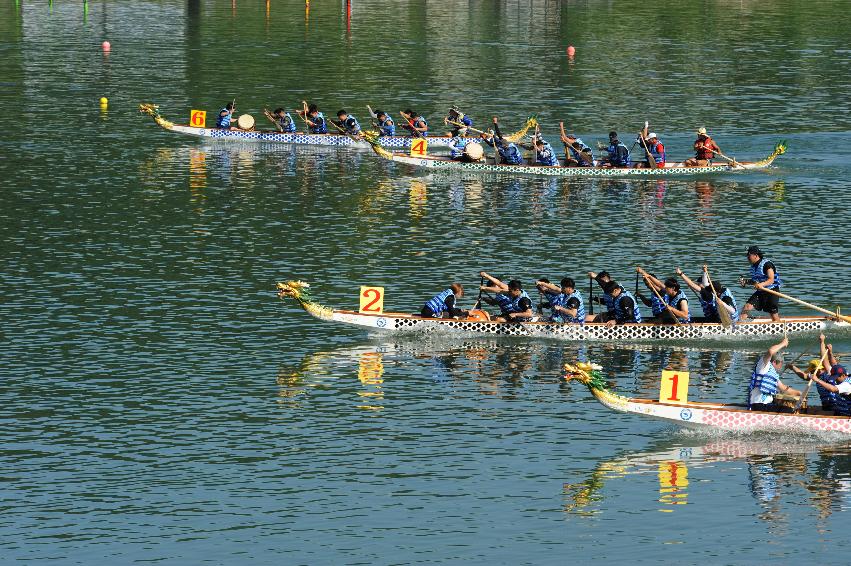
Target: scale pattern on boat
{"x": 332, "y": 140}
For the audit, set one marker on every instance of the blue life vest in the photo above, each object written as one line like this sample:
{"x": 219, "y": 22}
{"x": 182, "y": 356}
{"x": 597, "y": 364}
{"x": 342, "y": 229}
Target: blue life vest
{"x": 387, "y": 127}
{"x": 319, "y": 127}
{"x": 758, "y": 276}
{"x": 287, "y": 123}
{"x": 437, "y": 304}
{"x": 507, "y": 304}
{"x": 657, "y": 306}
{"x": 561, "y": 300}
{"x": 842, "y": 405}
{"x": 827, "y": 397}
{"x": 710, "y": 308}
{"x": 223, "y": 121}
{"x": 674, "y": 301}
{"x": 620, "y": 315}
{"x": 351, "y": 125}
{"x": 416, "y": 133}
{"x": 465, "y": 120}
{"x": 765, "y": 382}
{"x": 614, "y": 159}
{"x": 609, "y": 301}
{"x": 547, "y": 156}
{"x": 659, "y": 156}
{"x": 584, "y": 160}
{"x": 510, "y": 154}
{"x": 458, "y": 145}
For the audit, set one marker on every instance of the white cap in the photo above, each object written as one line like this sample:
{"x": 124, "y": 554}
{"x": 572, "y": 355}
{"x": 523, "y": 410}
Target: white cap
{"x": 651, "y": 135}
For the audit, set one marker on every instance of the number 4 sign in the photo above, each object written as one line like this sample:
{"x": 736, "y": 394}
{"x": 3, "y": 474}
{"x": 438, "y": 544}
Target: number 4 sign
{"x": 674, "y": 387}
{"x": 419, "y": 147}
{"x": 371, "y": 300}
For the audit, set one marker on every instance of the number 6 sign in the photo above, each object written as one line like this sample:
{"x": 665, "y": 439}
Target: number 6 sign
{"x": 371, "y": 300}
{"x": 674, "y": 387}
{"x": 198, "y": 118}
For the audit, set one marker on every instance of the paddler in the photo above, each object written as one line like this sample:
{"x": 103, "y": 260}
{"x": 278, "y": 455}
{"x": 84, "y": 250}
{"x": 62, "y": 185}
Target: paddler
{"x": 417, "y": 125}
{"x": 765, "y": 381}
{"x": 457, "y": 144}
{"x": 607, "y": 300}
{"x": 545, "y": 155}
{"x": 576, "y": 152}
{"x": 624, "y": 308}
{"x": 515, "y": 304}
{"x": 225, "y": 116}
{"x": 763, "y": 275}
{"x": 508, "y": 152}
{"x": 284, "y": 120}
{"x": 444, "y": 304}
{"x": 458, "y": 117}
{"x": 823, "y": 372}
{"x": 618, "y": 153}
{"x": 839, "y": 385}
{"x": 385, "y": 125}
{"x": 348, "y": 123}
{"x": 566, "y": 303}
{"x": 657, "y": 305}
{"x": 314, "y": 118}
{"x": 704, "y": 150}
{"x": 707, "y": 297}
{"x": 676, "y": 303}
{"x": 656, "y": 149}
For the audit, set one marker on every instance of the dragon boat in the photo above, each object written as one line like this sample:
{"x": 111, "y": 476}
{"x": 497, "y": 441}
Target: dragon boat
{"x": 708, "y": 416}
{"x": 752, "y": 330}
{"x": 668, "y": 170}
{"x": 371, "y": 138}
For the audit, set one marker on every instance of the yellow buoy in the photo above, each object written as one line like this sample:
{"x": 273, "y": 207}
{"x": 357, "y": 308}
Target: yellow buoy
{"x": 104, "y": 101}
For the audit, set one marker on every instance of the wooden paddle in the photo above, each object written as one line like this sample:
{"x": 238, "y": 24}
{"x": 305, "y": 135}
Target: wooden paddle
{"x": 650, "y": 159}
{"x": 723, "y": 313}
{"x": 801, "y": 355}
{"x": 658, "y": 296}
{"x": 414, "y": 130}
{"x": 344, "y": 131}
{"x": 804, "y": 303}
{"x": 571, "y": 146}
{"x": 590, "y": 288}
{"x": 809, "y": 384}
{"x": 460, "y": 125}
{"x": 273, "y": 120}
{"x": 718, "y": 151}
{"x": 303, "y": 114}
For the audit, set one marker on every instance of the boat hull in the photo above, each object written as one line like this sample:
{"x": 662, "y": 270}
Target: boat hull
{"x": 729, "y": 418}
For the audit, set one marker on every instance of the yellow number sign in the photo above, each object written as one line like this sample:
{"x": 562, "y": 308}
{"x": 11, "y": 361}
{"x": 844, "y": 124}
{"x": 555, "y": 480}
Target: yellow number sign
{"x": 371, "y": 300}
{"x": 198, "y": 118}
{"x": 674, "y": 387}
{"x": 419, "y": 147}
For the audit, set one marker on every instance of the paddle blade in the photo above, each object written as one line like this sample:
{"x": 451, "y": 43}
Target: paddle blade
{"x": 723, "y": 314}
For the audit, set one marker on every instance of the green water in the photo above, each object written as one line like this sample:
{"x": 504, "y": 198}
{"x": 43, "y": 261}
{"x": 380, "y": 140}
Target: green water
{"x": 159, "y": 403}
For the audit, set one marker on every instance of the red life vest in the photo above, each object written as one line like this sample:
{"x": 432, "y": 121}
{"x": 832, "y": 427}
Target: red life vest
{"x": 704, "y": 152}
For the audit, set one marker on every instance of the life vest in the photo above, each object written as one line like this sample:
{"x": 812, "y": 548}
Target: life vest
{"x": 622, "y": 160}
{"x": 758, "y": 275}
{"x": 702, "y": 152}
{"x": 620, "y": 314}
{"x": 827, "y": 397}
{"x": 351, "y": 125}
{"x": 765, "y": 382}
{"x": 437, "y": 304}
{"x": 319, "y": 127}
{"x": 674, "y": 301}
{"x": 287, "y": 123}
{"x": 842, "y": 405}
{"x": 510, "y": 154}
{"x": 609, "y": 301}
{"x": 547, "y": 156}
{"x": 457, "y": 147}
{"x": 561, "y": 300}
{"x": 223, "y": 121}
{"x": 583, "y": 157}
{"x": 418, "y": 122}
{"x": 657, "y": 150}
{"x": 508, "y": 304}
{"x": 710, "y": 308}
{"x": 387, "y": 127}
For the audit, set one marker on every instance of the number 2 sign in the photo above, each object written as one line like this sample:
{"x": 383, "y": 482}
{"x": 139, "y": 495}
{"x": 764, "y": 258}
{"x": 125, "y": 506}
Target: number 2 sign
{"x": 198, "y": 118}
{"x": 674, "y": 387}
{"x": 419, "y": 147}
{"x": 371, "y": 300}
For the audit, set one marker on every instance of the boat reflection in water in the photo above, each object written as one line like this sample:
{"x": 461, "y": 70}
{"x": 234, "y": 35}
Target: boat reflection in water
{"x": 781, "y": 472}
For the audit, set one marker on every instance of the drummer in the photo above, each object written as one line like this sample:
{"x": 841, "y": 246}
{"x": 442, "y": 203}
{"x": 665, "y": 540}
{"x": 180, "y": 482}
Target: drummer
{"x": 765, "y": 381}
{"x": 225, "y": 117}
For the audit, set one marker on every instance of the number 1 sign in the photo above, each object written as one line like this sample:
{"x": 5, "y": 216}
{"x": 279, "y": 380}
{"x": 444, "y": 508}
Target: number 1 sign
{"x": 674, "y": 387}
{"x": 371, "y": 300}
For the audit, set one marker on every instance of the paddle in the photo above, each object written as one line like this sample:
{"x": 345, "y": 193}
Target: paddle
{"x": 303, "y": 114}
{"x": 344, "y": 131}
{"x": 650, "y": 159}
{"x": 590, "y": 289}
{"x": 723, "y": 313}
{"x": 478, "y": 303}
{"x": 801, "y": 355}
{"x": 460, "y": 125}
{"x": 273, "y": 120}
{"x": 718, "y": 151}
{"x": 495, "y": 150}
{"x": 573, "y": 147}
{"x": 658, "y": 296}
{"x": 414, "y": 130}
{"x": 804, "y": 303}
{"x": 809, "y": 384}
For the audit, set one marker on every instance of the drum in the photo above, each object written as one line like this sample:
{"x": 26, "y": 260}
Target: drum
{"x": 789, "y": 402}
{"x": 474, "y": 151}
{"x": 478, "y": 315}
{"x": 245, "y": 122}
